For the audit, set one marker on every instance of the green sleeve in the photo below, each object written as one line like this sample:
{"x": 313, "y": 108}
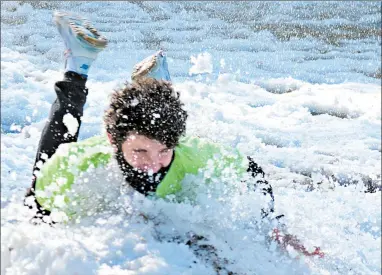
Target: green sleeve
{"x": 58, "y": 174}
{"x": 193, "y": 155}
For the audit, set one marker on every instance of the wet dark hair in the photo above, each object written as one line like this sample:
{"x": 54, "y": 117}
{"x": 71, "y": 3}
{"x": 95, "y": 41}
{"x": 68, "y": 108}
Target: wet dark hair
{"x": 149, "y": 107}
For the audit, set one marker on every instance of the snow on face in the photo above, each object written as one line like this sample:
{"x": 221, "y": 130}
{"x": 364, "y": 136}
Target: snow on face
{"x": 299, "y": 90}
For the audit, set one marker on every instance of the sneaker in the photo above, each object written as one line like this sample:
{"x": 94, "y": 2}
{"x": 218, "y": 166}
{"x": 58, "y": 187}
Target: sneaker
{"x": 82, "y": 41}
{"x": 154, "y": 66}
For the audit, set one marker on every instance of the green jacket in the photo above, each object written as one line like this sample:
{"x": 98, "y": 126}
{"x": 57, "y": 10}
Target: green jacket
{"x": 60, "y": 172}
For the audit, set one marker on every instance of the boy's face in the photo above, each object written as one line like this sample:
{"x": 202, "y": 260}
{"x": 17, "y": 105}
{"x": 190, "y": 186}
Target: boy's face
{"x": 146, "y": 154}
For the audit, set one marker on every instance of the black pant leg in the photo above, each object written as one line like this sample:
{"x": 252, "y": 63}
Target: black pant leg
{"x": 71, "y": 98}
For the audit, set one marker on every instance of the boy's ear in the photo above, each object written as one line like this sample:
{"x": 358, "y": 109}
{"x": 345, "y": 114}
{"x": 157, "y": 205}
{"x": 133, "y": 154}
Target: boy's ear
{"x": 110, "y": 138}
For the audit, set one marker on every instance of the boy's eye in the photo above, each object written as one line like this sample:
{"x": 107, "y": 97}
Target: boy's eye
{"x": 140, "y": 151}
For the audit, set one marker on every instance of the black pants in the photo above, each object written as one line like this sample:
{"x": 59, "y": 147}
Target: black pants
{"x": 71, "y": 97}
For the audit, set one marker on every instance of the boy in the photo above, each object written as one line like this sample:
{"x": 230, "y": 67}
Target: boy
{"x": 145, "y": 125}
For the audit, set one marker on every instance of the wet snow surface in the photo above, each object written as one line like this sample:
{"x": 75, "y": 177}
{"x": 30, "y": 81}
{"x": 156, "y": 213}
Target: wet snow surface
{"x": 295, "y": 85}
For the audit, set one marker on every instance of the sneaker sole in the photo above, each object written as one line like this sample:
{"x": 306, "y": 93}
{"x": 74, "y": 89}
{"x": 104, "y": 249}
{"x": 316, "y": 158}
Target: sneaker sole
{"x": 79, "y": 27}
{"x": 141, "y": 69}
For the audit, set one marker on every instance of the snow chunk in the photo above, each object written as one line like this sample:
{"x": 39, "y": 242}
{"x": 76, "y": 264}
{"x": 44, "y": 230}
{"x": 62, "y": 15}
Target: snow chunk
{"x": 15, "y": 127}
{"x": 59, "y": 201}
{"x": 222, "y": 63}
{"x": 71, "y": 124}
{"x": 44, "y": 156}
{"x": 134, "y": 102}
{"x": 280, "y": 85}
{"x": 202, "y": 64}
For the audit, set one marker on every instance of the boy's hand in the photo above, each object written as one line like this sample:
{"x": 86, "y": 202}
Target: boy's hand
{"x": 292, "y": 241}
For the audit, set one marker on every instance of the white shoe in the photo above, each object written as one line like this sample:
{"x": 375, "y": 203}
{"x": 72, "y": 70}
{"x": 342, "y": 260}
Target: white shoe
{"x": 82, "y": 41}
{"x": 154, "y": 66}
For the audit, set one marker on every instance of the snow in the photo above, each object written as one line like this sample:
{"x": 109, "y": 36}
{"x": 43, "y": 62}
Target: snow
{"x": 134, "y": 102}
{"x": 201, "y": 64}
{"x": 71, "y": 124}
{"x": 295, "y": 85}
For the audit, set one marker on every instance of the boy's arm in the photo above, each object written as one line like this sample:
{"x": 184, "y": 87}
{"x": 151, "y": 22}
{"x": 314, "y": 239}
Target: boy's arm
{"x": 262, "y": 185}
{"x": 284, "y": 239}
